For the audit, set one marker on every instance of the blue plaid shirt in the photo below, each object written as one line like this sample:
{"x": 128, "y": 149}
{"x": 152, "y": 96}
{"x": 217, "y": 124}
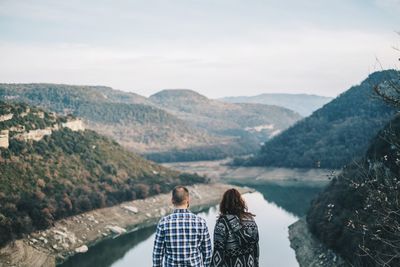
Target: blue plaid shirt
{"x": 182, "y": 240}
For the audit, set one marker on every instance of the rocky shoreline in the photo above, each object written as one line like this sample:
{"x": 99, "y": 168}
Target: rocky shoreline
{"x": 309, "y": 251}
{"x": 77, "y": 233}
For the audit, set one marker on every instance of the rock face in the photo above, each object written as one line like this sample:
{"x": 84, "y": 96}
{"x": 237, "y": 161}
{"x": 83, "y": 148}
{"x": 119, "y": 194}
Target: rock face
{"x": 4, "y": 138}
{"x": 35, "y": 135}
{"x": 6, "y": 117}
{"x": 74, "y": 125}
{"x": 309, "y": 251}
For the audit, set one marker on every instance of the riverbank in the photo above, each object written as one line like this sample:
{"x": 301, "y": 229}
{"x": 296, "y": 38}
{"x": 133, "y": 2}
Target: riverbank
{"x": 77, "y": 233}
{"x": 219, "y": 171}
{"x": 309, "y": 251}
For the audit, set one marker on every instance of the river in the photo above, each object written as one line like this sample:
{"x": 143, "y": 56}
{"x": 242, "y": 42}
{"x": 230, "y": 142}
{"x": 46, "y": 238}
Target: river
{"x": 276, "y": 206}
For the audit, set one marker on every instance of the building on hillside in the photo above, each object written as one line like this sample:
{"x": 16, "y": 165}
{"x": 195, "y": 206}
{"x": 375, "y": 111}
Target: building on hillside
{"x": 4, "y": 134}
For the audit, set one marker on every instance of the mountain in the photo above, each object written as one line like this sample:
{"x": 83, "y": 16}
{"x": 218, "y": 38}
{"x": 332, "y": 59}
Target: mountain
{"x": 51, "y": 168}
{"x": 333, "y": 135}
{"x": 258, "y": 120}
{"x": 172, "y": 125}
{"x": 357, "y": 214}
{"x": 304, "y": 104}
{"x": 130, "y": 119}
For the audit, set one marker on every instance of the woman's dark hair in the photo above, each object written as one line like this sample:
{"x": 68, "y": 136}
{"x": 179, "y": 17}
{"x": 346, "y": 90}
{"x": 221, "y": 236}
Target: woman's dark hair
{"x": 233, "y": 203}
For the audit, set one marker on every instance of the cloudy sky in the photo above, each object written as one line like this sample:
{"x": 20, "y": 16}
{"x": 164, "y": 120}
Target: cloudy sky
{"x": 216, "y": 47}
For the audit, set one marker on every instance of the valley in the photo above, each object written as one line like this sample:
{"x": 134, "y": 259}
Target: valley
{"x": 172, "y": 125}
{"x": 77, "y": 189}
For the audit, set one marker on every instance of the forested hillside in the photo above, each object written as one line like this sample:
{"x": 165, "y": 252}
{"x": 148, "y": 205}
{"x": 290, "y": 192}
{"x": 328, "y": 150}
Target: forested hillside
{"x": 130, "y": 119}
{"x": 249, "y": 124}
{"x": 333, "y": 135}
{"x": 221, "y": 118}
{"x": 358, "y": 214}
{"x": 173, "y": 125}
{"x": 63, "y": 172}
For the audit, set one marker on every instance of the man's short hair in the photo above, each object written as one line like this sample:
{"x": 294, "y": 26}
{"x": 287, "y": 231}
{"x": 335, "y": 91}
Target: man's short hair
{"x": 179, "y": 194}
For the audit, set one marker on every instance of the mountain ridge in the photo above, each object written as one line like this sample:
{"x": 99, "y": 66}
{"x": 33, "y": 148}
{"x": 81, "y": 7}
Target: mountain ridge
{"x": 304, "y": 104}
{"x": 334, "y": 134}
{"x": 164, "y": 123}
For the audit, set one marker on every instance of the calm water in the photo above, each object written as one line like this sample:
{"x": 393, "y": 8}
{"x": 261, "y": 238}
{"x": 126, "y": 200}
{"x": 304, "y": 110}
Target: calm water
{"x": 276, "y": 207}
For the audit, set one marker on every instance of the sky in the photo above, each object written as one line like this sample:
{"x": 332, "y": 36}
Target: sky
{"x": 216, "y": 47}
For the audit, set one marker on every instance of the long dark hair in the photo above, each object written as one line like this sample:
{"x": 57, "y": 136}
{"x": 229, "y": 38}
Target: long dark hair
{"x": 233, "y": 203}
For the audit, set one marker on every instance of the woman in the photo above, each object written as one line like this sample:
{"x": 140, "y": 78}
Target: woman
{"x": 235, "y": 234}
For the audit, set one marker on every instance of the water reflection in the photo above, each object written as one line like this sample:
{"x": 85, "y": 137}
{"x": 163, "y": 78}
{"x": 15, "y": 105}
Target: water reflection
{"x": 294, "y": 199}
{"x": 110, "y": 251}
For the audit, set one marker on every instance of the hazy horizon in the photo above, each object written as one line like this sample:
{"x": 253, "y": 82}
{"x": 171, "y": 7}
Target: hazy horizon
{"x": 217, "y": 48}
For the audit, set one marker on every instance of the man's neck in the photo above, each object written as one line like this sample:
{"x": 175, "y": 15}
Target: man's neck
{"x": 183, "y": 207}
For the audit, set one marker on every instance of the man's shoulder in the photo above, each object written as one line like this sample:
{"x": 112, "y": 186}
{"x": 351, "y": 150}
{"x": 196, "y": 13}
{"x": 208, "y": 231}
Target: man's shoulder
{"x": 189, "y": 215}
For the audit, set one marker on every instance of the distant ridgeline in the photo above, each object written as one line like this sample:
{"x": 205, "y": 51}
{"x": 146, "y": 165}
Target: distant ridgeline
{"x": 303, "y": 104}
{"x": 130, "y": 119}
{"x": 358, "y": 214}
{"x": 333, "y": 135}
{"x": 51, "y": 168}
{"x": 172, "y": 125}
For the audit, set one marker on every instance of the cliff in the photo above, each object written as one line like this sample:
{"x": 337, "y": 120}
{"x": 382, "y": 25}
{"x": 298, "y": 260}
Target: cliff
{"x": 309, "y": 251}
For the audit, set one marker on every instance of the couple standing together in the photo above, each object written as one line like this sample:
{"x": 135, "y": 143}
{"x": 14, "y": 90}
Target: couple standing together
{"x": 182, "y": 238}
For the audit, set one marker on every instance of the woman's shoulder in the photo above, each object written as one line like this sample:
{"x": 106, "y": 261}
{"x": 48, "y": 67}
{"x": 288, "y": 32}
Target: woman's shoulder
{"x": 249, "y": 219}
{"x": 227, "y": 218}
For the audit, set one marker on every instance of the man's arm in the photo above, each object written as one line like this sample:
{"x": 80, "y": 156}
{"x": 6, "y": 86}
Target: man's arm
{"x": 159, "y": 245}
{"x": 206, "y": 248}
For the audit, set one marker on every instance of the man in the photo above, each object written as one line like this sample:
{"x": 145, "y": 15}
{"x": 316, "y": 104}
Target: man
{"x": 182, "y": 238}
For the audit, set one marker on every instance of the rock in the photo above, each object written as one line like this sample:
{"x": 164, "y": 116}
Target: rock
{"x": 163, "y": 212}
{"x": 44, "y": 240}
{"x": 82, "y": 249}
{"x": 116, "y": 229}
{"x": 57, "y": 232}
{"x": 148, "y": 215}
{"x": 131, "y": 209}
{"x": 310, "y": 252}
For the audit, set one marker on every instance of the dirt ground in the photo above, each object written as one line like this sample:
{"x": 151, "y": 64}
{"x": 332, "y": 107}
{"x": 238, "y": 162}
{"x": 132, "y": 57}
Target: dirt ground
{"x": 219, "y": 171}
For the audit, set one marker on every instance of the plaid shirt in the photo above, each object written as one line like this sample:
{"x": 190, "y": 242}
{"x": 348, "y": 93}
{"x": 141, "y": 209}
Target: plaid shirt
{"x": 182, "y": 240}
